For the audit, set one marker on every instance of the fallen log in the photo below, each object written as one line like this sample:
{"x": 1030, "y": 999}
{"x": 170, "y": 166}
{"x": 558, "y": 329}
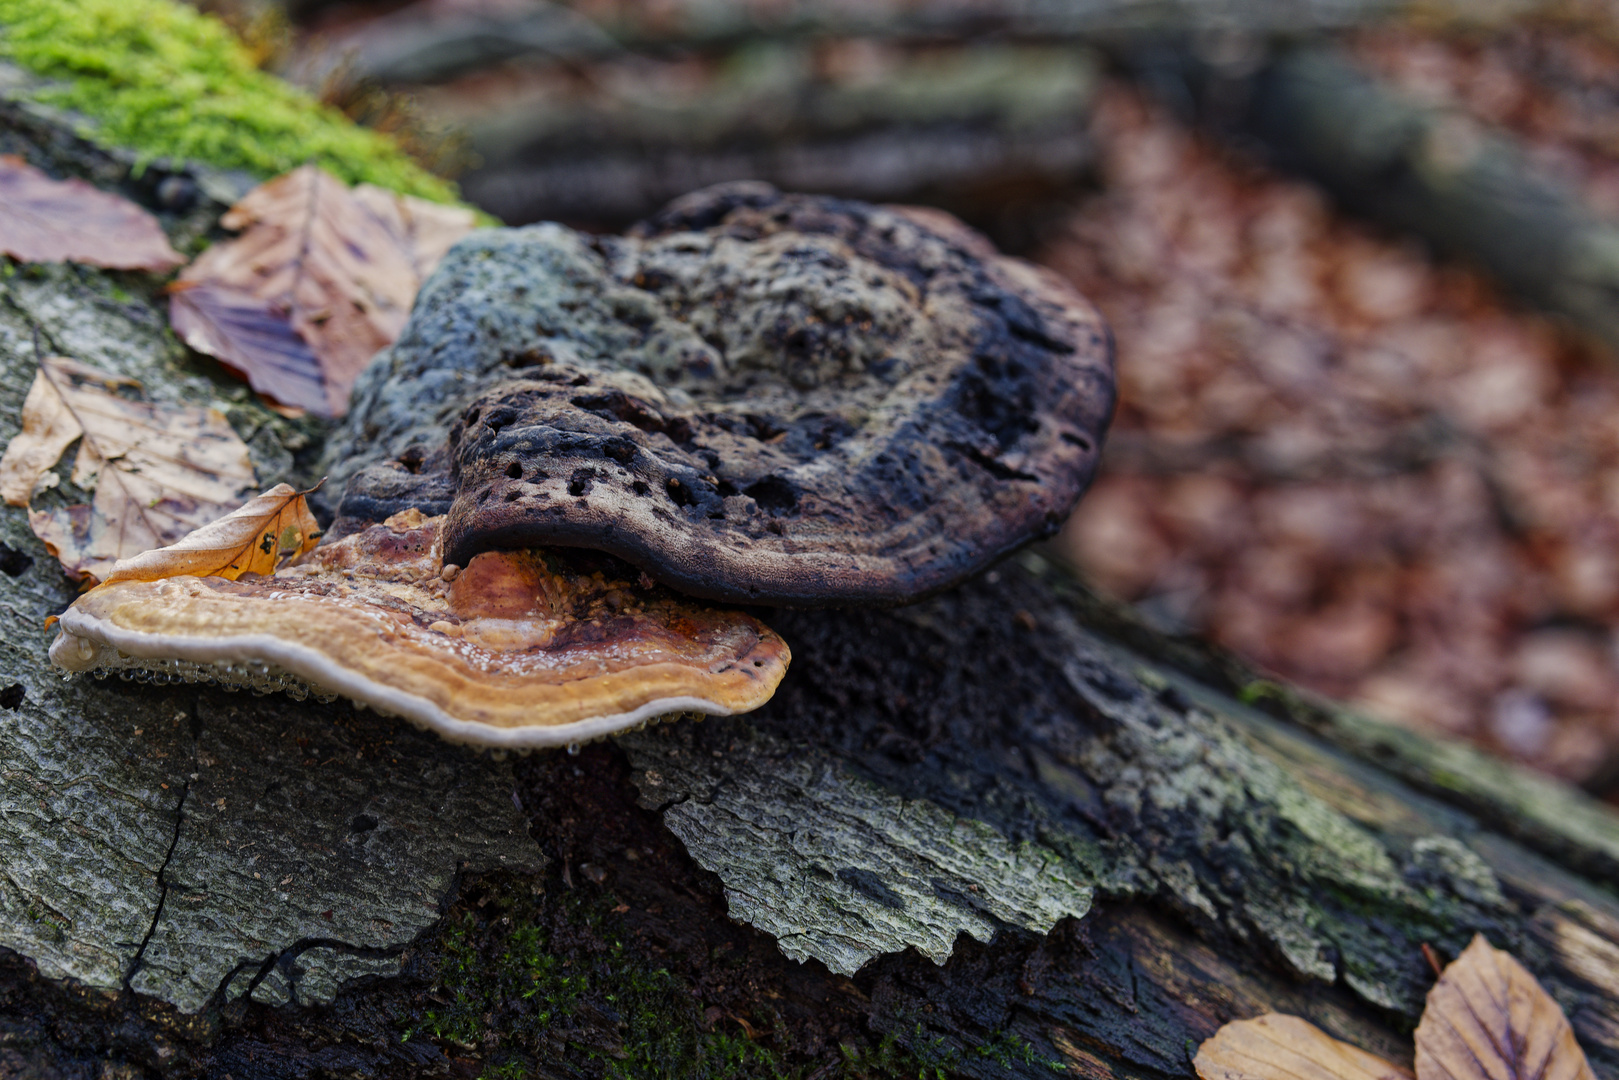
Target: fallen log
{"x": 1000, "y": 831}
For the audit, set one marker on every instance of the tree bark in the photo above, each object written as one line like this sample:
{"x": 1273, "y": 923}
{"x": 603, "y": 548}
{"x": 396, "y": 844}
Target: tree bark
{"x": 999, "y": 832}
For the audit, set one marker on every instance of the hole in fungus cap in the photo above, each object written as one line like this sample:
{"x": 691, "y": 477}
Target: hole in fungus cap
{"x": 518, "y": 649}
{"x": 886, "y": 406}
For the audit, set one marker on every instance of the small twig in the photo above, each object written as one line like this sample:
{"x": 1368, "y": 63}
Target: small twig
{"x": 1433, "y": 960}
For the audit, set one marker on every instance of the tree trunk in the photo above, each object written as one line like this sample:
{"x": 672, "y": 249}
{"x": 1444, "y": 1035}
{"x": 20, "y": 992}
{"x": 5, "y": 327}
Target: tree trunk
{"x": 997, "y": 833}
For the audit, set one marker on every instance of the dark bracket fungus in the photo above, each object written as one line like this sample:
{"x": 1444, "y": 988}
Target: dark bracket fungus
{"x": 886, "y": 408}
{"x": 520, "y": 649}
{"x": 377, "y": 492}
{"x": 817, "y": 402}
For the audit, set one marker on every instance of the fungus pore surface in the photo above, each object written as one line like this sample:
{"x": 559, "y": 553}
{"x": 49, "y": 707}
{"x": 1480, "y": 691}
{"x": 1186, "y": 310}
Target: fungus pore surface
{"x": 519, "y": 649}
{"x": 753, "y": 397}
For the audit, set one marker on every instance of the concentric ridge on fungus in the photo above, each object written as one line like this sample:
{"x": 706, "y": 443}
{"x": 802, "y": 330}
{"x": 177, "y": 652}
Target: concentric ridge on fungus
{"x": 521, "y": 649}
{"x": 754, "y": 398}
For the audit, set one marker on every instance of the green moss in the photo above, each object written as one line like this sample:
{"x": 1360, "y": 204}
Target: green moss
{"x": 929, "y": 1057}
{"x": 1010, "y": 1048}
{"x": 520, "y": 978}
{"x": 1261, "y": 690}
{"x": 531, "y": 997}
{"x": 163, "y": 80}
{"x": 533, "y": 985}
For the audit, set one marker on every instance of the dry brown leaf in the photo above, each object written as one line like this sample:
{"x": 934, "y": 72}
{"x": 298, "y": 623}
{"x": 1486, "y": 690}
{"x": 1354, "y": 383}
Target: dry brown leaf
{"x": 250, "y": 334}
{"x": 253, "y": 539}
{"x": 159, "y": 471}
{"x": 1281, "y": 1047}
{"x": 45, "y": 220}
{"x": 1488, "y": 1019}
{"x": 320, "y": 279}
{"x": 48, "y": 429}
{"x": 424, "y": 230}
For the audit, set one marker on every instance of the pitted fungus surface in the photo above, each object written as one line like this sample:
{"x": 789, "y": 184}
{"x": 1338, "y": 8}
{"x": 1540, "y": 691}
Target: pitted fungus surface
{"x": 754, "y": 398}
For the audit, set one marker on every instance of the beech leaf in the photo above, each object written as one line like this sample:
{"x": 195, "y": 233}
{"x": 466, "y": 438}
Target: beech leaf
{"x": 1281, "y": 1047}
{"x": 253, "y": 539}
{"x": 320, "y": 279}
{"x": 251, "y": 334}
{"x": 425, "y": 231}
{"x": 1488, "y": 1019}
{"x": 46, "y": 220}
{"x": 158, "y": 471}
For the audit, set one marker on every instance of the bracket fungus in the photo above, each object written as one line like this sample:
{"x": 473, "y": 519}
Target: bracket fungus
{"x": 754, "y": 398}
{"x": 520, "y": 649}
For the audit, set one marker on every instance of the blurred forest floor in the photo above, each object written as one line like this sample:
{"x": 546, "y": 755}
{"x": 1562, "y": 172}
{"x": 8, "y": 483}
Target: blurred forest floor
{"x": 1360, "y": 466}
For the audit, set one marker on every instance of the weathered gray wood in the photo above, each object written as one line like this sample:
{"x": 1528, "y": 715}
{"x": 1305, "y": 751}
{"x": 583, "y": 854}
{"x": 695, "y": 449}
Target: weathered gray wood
{"x": 170, "y": 838}
{"x": 1308, "y": 880}
{"x": 421, "y": 46}
{"x": 946, "y": 125}
{"x": 1545, "y": 814}
{"x": 840, "y": 869}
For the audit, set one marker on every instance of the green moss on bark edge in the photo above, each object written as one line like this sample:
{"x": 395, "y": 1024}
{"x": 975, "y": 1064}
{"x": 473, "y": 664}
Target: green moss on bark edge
{"x": 163, "y": 80}
{"x": 506, "y": 990}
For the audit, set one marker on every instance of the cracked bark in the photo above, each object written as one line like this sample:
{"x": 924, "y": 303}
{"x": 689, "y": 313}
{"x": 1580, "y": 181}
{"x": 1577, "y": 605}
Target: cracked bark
{"x": 162, "y": 888}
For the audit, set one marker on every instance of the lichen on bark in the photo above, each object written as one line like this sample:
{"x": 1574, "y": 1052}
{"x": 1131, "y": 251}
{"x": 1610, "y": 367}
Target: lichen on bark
{"x": 837, "y": 868}
{"x": 1130, "y": 791}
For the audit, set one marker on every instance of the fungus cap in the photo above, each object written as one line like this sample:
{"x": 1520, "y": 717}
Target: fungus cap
{"x": 518, "y": 649}
{"x": 874, "y": 405}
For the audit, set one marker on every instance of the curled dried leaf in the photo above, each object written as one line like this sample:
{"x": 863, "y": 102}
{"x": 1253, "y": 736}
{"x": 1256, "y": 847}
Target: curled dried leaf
{"x": 48, "y": 429}
{"x": 158, "y": 471}
{"x": 250, "y": 334}
{"x": 253, "y": 539}
{"x": 1281, "y": 1047}
{"x": 1488, "y": 1019}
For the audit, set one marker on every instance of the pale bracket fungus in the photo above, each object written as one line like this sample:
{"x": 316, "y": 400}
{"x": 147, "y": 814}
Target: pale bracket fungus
{"x": 519, "y": 650}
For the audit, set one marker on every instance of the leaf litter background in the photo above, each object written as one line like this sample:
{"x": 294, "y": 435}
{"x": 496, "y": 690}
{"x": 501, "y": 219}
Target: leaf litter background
{"x": 1354, "y": 465}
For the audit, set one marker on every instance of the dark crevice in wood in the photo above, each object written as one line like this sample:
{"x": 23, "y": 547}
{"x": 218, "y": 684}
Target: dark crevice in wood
{"x": 162, "y": 887}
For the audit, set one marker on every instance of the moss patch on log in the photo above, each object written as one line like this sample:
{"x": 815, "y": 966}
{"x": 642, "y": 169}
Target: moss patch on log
{"x": 161, "y": 79}
{"x": 530, "y": 973}
{"x": 504, "y": 986}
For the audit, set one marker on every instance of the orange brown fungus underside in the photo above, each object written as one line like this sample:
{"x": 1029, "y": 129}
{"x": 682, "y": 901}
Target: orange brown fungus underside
{"x": 519, "y": 649}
